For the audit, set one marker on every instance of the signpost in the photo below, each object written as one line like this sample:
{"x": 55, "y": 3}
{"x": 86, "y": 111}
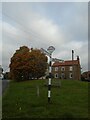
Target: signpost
{"x": 49, "y": 52}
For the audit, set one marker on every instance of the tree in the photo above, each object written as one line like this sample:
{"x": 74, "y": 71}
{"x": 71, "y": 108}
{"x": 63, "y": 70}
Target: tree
{"x": 38, "y": 63}
{"x": 28, "y": 64}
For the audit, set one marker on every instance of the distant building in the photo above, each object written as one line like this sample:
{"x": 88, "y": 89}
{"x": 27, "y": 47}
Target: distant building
{"x": 1, "y": 72}
{"x": 69, "y": 69}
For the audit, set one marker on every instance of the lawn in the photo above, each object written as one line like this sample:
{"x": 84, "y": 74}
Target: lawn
{"x": 70, "y": 100}
{"x": 0, "y": 99}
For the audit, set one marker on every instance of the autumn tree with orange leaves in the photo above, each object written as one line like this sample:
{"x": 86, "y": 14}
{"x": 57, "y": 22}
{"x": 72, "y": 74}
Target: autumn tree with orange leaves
{"x": 27, "y": 64}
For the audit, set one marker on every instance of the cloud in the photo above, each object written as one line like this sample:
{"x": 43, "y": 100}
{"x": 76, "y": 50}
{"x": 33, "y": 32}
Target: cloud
{"x": 36, "y": 27}
{"x": 63, "y": 27}
{"x": 47, "y": 30}
{"x": 75, "y": 19}
{"x": 0, "y": 38}
{"x": 9, "y": 28}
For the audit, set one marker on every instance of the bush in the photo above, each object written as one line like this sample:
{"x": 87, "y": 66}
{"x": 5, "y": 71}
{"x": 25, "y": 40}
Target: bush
{"x": 82, "y": 78}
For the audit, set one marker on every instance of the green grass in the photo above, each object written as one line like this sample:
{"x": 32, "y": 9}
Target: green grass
{"x": 68, "y": 101}
{"x": 0, "y": 100}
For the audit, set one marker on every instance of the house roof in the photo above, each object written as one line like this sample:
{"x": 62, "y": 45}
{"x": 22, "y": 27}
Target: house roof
{"x": 66, "y": 63}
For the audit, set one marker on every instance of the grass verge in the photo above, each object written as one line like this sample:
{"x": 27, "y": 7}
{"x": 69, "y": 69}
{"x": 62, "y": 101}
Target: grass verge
{"x": 68, "y": 101}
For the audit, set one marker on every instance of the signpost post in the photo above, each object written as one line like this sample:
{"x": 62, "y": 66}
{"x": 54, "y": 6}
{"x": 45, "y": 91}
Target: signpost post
{"x": 50, "y": 50}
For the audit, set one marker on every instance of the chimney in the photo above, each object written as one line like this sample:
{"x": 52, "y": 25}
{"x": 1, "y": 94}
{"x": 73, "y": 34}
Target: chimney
{"x": 78, "y": 58}
{"x": 72, "y": 64}
{"x": 72, "y": 54}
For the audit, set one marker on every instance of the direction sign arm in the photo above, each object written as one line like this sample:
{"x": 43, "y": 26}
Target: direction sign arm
{"x": 44, "y": 51}
{"x": 55, "y": 59}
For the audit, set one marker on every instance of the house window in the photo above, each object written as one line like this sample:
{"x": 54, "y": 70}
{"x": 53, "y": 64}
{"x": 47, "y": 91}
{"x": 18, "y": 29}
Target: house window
{"x": 56, "y": 75}
{"x": 56, "y": 68}
{"x": 70, "y": 68}
{"x": 62, "y": 68}
{"x": 70, "y": 75}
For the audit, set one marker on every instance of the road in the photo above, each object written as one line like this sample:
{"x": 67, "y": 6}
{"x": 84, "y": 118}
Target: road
{"x": 3, "y": 85}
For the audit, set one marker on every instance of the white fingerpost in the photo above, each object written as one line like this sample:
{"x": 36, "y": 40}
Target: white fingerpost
{"x": 49, "y": 52}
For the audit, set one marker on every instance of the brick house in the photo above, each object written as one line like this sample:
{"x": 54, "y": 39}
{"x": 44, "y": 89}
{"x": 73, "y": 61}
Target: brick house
{"x": 69, "y": 69}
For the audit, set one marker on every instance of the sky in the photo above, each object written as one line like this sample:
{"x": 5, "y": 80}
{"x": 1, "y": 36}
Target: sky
{"x": 63, "y": 25}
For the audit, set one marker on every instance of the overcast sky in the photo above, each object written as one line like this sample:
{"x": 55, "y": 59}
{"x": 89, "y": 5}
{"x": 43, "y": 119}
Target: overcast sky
{"x": 63, "y": 25}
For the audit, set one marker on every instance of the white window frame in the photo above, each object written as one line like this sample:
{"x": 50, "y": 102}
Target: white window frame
{"x": 70, "y": 68}
{"x": 70, "y": 75}
{"x": 56, "y": 68}
{"x": 56, "y": 75}
{"x": 62, "y": 68}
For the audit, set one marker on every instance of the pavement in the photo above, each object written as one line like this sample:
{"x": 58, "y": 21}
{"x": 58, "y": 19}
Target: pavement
{"x": 3, "y": 85}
